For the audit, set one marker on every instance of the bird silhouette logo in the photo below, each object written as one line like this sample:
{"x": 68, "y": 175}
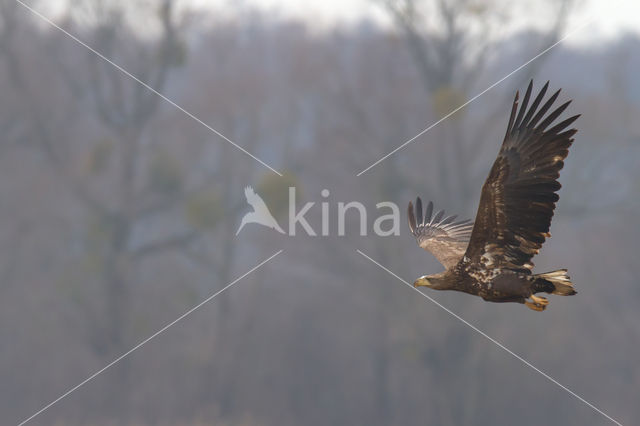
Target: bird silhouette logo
{"x": 260, "y": 214}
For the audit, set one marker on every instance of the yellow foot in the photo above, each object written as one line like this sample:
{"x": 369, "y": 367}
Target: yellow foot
{"x": 537, "y": 303}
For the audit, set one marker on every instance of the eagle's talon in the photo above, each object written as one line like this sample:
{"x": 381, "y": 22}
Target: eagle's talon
{"x": 540, "y": 300}
{"x": 537, "y": 303}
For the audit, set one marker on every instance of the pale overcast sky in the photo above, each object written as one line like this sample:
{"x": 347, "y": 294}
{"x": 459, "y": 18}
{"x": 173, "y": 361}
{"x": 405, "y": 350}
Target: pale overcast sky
{"x": 611, "y": 16}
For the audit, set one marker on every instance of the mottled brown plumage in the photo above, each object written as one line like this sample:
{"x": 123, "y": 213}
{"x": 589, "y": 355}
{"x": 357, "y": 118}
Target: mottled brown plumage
{"x": 517, "y": 202}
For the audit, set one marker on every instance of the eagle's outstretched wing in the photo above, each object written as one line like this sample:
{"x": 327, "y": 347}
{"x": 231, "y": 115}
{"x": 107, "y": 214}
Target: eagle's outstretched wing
{"x": 441, "y": 236}
{"x": 519, "y": 196}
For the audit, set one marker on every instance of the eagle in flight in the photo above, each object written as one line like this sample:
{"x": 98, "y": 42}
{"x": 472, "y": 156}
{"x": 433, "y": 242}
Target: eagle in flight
{"x": 491, "y": 257}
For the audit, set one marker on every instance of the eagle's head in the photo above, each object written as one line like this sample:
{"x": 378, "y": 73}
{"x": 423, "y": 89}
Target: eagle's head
{"x": 436, "y": 282}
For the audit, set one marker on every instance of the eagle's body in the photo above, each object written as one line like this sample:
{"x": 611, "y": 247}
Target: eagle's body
{"x": 491, "y": 257}
{"x": 494, "y": 284}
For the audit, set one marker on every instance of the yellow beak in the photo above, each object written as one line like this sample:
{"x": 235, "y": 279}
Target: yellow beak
{"x": 421, "y": 282}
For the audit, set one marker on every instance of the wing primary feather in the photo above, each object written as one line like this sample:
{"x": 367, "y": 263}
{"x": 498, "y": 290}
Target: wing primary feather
{"x": 544, "y": 109}
{"x": 567, "y": 134}
{"x": 438, "y": 216}
{"x": 514, "y": 108}
{"x": 553, "y": 115}
{"x": 461, "y": 223}
{"x": 427, "y": 216}
{"x": 419, "y": 211}
{"x": 448, "y": 219}
{"x": 412, "y": 218}
{"x": 534, "y": 105}
{"x": 562, "y": 125}
{"x": 523, "y": 107}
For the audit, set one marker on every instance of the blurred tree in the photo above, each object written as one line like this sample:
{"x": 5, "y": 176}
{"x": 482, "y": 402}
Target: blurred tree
{"x": 451, "y": 42}
{"x": 125, "y": 109}
{"x": 275, "y": 192}
{"x": 322, "y": 336}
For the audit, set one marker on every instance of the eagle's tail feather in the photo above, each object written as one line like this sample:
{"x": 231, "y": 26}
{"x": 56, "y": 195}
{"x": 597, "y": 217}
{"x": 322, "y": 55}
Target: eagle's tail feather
{"x": 560, "y": 281}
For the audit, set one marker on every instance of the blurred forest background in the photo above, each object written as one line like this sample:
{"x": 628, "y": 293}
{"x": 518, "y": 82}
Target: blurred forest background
{"x": 118, "y": 214}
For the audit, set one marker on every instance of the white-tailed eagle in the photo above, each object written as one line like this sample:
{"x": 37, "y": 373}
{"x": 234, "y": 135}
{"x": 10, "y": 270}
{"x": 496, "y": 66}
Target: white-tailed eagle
{"x": 491, "y": 257}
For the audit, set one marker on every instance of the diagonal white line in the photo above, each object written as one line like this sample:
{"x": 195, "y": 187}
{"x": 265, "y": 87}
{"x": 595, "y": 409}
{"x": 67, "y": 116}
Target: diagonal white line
{"x": 151, "y": 89}
{"x": 509, "y": 351}
{"x": 425, "y": 130}
{"x": 163, "y": 329}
